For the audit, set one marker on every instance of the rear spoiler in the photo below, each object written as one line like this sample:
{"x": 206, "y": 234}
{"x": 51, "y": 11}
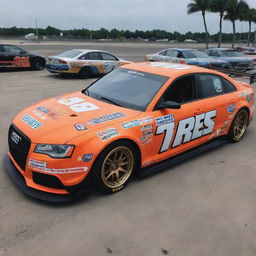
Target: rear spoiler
{"x": 234, "y": 73}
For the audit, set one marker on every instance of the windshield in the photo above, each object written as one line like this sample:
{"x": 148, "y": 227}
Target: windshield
{"x": 194, "y": 54}
{"x": 70, "y": 54}
{"x": 231, "y": 54}
{"x": 127, "y": 88}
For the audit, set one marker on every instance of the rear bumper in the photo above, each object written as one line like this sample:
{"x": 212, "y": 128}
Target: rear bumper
{"x": 38, "y": 194}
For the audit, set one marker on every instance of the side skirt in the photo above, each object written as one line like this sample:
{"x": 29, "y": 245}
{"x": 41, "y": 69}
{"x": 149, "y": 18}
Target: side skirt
{"x": 182, "y": 157}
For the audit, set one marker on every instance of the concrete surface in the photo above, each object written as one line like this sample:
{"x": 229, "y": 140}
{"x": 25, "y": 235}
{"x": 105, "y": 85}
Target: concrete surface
{"x": 203, "y": 207}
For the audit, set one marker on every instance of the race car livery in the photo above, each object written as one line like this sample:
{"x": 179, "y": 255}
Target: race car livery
{"x": 85, "y": 63}
{"x": 12, "y": 56}
{"x": 138, "y": 118}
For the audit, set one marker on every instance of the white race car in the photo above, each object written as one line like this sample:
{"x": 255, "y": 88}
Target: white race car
{"x": 85, "y": 63}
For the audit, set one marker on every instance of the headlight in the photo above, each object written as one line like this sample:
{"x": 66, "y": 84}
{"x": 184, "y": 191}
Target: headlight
{"x": 54, "y": 150}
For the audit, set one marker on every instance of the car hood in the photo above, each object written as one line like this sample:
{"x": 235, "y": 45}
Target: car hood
{"x": 57, "y": 121}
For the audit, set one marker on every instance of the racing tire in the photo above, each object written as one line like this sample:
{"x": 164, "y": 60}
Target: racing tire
{"x": 114, "y": 167}
{"x": 85, "y": 72}
{"x": 38, "y": 64}
{"x": 238, "y": 126}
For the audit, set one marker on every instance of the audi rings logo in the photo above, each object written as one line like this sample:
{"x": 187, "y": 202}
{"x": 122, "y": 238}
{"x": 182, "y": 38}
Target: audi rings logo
{"x": 15, "y": 138}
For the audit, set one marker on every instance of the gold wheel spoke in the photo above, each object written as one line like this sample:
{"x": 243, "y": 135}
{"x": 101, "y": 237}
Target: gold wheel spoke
{"x": 110, "y": 174}
{"x": 125, "y": 163}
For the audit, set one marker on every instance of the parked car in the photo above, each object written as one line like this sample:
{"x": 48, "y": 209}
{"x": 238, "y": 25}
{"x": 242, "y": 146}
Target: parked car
{"x": 137, "y": 119}
{"x": 85, "y": 63}
{"x": 237, "y": 60}
{"x": 248, "y": 51}
{"x": 12, "y": 57}
{"x": 188, "y": 56}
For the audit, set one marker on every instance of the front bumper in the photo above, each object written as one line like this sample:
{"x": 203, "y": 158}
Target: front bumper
{"x": 57, "y": 68}
{"x": 38, "y": 194}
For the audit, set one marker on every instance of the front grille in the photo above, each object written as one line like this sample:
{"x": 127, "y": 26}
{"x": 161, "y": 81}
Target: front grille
{"x": 19, "y": 145}
{"x": 47, "y": 180}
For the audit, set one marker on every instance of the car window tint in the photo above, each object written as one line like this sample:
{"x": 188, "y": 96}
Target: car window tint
{"x": 162, "y": 53}
{"x": 209, "y": 85}
{"x": 227, "y": 86}
{"x": 83, "y": 57}
{"x": 1, "y": 48}
{"x": 107, "y": 56}
{"x": 11, "y": 49}
{"x": 93, "y": 56}
{"x": 129, "y": 88}
{"x": 181, "y": 91}
{"x": 171, "y": 53}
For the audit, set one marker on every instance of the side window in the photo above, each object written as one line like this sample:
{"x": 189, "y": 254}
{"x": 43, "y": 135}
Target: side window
{"x": 107, "y": 56}
{"x": 1, "y": 48}
{"x": 93, "y": 56}
{"x": 171, "y": 53}
{"x": 208, "y": 85}
{"x": 162, "y": 53}
{"x": 83, "y": 57}
{"x": 181, "y": 91}
{"x": 227, "y": 86}
{"x": 12, "y": 49}
{"x": 215, "y": 53}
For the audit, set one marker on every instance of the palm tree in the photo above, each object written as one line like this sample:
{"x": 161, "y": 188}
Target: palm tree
{"x": 200, "y": 6}
{"x": 234, "y": 10}
{"x": 250, "y": 16}
{"x": 219, "y": 6}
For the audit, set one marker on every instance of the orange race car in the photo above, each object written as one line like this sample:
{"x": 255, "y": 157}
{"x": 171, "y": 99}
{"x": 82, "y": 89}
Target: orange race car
{"x": 140, "y": 118}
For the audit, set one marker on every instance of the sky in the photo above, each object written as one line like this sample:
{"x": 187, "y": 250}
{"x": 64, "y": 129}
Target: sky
{"x": 169, "y": 15}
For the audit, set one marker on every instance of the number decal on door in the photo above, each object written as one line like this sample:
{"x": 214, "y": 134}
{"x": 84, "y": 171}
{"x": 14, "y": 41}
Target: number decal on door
{"x": 188, "y": 129}
{"x": 21, "y": 62}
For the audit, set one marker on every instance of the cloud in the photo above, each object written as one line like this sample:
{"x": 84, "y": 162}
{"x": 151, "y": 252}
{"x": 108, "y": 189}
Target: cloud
{"x": 169, "y": 15}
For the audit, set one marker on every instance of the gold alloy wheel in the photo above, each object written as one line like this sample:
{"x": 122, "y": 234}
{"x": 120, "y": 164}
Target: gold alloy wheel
{"x": 117, "y": 167}
{"x": 240, "y": 124}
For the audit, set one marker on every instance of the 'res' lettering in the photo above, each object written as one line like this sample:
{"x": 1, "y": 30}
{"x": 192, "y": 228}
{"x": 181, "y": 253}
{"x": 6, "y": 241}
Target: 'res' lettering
{"x": 188, "y": 129}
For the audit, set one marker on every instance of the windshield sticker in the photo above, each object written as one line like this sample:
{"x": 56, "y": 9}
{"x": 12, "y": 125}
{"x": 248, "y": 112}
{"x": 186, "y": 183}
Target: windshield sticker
{"x": 78, "y": 105}
{"x": 41, "y": 166}
{"x": 80, "y": 127}
{"x": 217, "y": 85}
{"x": 231, "y": 108}
{"x": 164, "y": 119}
{"x": 107, "y": 134}
{"x": 105, "y": 118}
{"x": 130, "y": 124}
{"x": 167, "y": 65}
{"x": 31, "y": 121}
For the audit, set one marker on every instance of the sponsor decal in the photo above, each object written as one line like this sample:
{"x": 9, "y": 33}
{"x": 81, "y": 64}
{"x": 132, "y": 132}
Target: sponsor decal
{"x": 78, "y": 105}
{"x": 249, "y": 98}
{"x": 147, "y": 127}
{"x": 80, "y": 127}
{"x": 43, "y": 109}
{"x": 146, "y": 120}
{"x": 164, "y": 119}
{"x": 87, "y": 157}
{"x": 244, "y": 94}
{"x": 148, "y": 163}
{"x": 252, "y": 109}
{"x": 105, "y": 118}
{"x": 15, "y": 137}
{"x": 41, "y": 166}
{"x": 231, "y": 108}
{"x": 188, "y": 129}
{"x": 31, "y": 121}
{"x": 39, "y": 114}
{"x": 130, "y": 124}
{"x": 147, "y": 133}
{"x": 108, "y": 133}
{"x": 217, "y": 133}
{"x": 145, "y": 139}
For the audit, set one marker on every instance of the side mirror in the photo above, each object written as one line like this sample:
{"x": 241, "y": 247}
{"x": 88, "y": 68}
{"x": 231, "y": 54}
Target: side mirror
{"x": 168, "y": 104}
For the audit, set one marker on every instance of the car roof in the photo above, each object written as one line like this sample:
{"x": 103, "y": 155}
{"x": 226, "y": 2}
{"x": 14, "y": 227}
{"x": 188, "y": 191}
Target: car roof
{"x": 222, "y": 49}
{"x": 88, "y": 50}
{"x": 180, "y": 49}
{"x": 167, "y": 69}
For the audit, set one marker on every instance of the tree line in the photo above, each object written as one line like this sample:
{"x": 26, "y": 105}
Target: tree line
{"x": 231, "y": 10}
{"x": 54, "y": 33}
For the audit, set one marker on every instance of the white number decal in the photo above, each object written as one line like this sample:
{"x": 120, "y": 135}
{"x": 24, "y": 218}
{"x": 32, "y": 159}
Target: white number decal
{"x": 168, "y": 130}
{"x": 78, "y": 104}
